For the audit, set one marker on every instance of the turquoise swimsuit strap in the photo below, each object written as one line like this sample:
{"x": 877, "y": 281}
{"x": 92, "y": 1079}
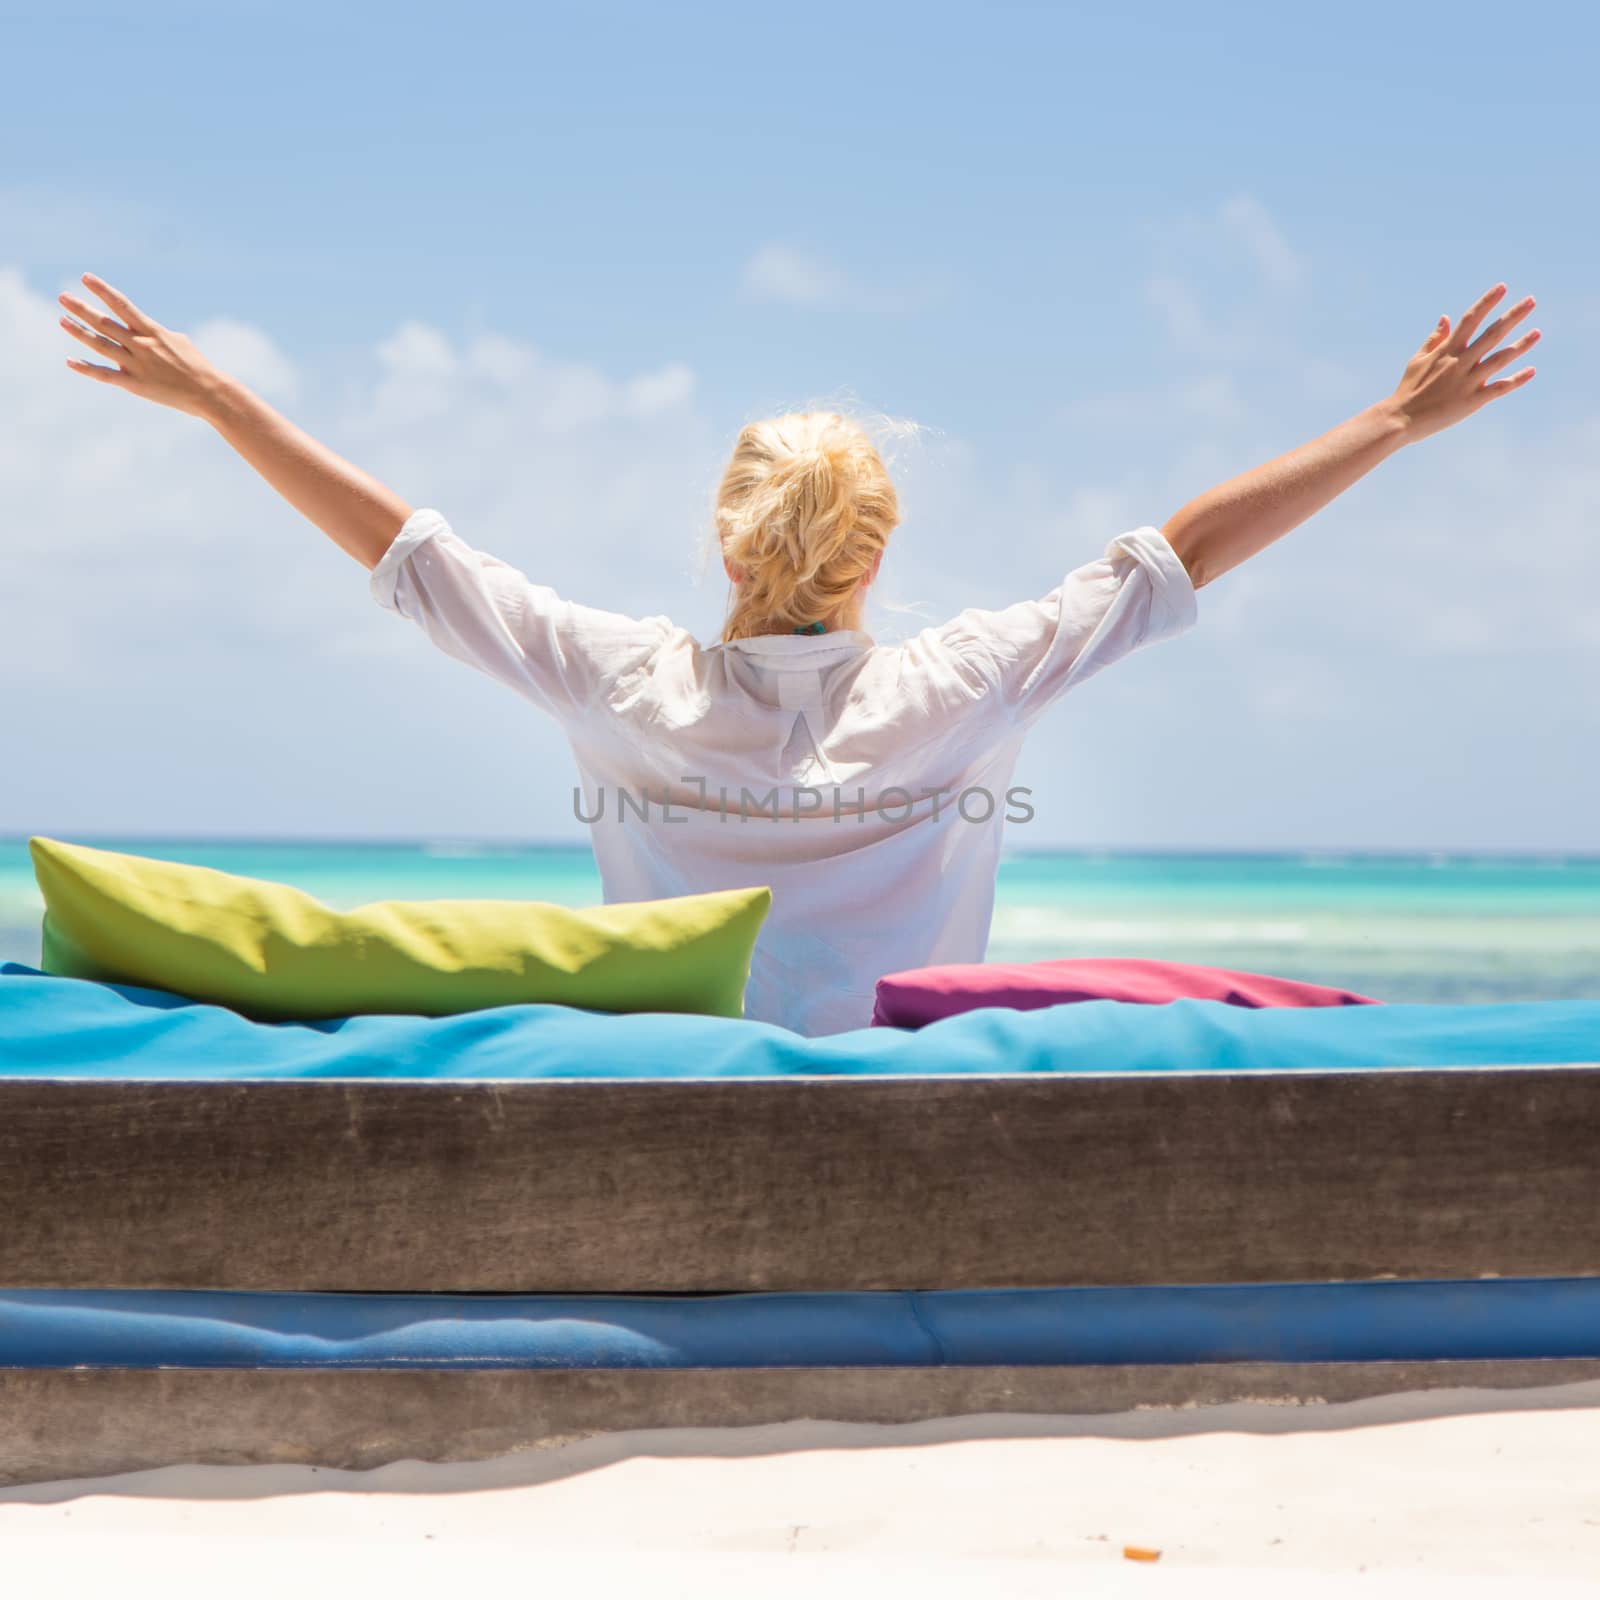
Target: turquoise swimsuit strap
{"x": 812, "y": 627}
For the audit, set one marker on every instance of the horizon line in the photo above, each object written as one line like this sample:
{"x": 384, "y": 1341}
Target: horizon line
{"x": 446, "y": 841}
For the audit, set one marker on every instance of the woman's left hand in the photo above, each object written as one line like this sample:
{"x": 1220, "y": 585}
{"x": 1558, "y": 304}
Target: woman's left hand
{"x": 1448, "y": 378}
{"x": 151, "y": 361}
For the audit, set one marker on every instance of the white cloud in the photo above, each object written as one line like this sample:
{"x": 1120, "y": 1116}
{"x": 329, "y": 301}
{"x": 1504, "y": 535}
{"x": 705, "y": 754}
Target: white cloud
{"x": 1277, "y": 263}
{"x": 415, "y": 350}
{"x": 502, "y": 360}
{"x": 1213, "y": 397}
{"x": 786, "y": 275}
{"x": 1229, "y": 317}
{"x": 251, "y": 356}
{"x": 425, "y": 379}
{"x": 1188, "y": 327}
{"x": 1213, "y": 244}
{"x": 655, "y": 392}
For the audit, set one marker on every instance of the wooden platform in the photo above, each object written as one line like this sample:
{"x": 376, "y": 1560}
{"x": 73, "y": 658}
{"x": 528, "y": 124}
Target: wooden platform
{"x": 802, "y": 1183}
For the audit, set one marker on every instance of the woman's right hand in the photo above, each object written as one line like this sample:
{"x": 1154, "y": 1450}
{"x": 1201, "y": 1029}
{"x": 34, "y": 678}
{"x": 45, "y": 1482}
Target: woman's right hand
{"x": 152, "y": 362}
{"x": 1448, "y": 378}
{"x": 360, "y": 515}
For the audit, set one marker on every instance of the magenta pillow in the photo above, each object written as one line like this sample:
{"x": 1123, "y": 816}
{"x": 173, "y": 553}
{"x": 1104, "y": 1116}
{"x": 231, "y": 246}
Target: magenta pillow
{"x": 914, "y": 999}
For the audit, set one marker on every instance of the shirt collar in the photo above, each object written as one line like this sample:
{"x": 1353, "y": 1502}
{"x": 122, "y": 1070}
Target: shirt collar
{"x": 800, "y": 649}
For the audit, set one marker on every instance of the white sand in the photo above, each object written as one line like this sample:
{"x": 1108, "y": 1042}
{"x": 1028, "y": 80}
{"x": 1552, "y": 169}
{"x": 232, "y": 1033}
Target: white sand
{"x": 1456, "y": 1494}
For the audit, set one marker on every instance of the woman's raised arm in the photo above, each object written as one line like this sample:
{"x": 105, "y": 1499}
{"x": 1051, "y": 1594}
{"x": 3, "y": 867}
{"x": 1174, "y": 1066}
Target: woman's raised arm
{"x": 357, "y": 512}
{"x": 1446, "y": 380}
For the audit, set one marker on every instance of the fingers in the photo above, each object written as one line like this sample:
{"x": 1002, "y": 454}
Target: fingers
{"x": 1441, "y": 330}
{"x": 120, "y": 303}
{"x": 102, "y": 334}
{"x": 94, "y": 317}
{"x": 104, "y": 374}
{"x": 95, "y": 341}
{"x": 1480, "y": 309}
{"x": 1504, "y": 358}
{"x": 1493, "y": 391}
{"x": 1500, "y": 327}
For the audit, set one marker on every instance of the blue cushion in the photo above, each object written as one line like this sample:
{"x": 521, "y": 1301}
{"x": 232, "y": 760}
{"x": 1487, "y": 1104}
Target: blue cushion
{"x": 1380, "y": 1321}
{"x": 70, "y": 1027}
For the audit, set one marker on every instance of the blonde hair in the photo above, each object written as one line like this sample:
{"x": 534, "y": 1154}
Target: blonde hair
{"x": 804, "y": 509}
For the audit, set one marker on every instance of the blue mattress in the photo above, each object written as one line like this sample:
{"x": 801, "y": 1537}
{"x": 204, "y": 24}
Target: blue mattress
{"x": 72, "y": 1028}
{"x": 1379, "y": 1321}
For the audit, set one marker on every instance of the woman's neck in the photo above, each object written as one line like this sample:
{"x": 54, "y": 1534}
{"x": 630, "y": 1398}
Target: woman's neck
{"x": 852, "y": 618}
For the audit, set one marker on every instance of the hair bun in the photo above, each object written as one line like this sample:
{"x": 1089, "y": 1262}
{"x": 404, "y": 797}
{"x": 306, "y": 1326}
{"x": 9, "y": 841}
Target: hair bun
{"x": 804, "y": 510}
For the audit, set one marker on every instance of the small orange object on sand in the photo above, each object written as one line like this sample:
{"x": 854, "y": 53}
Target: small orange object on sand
{"x": 1139, "y": 1552}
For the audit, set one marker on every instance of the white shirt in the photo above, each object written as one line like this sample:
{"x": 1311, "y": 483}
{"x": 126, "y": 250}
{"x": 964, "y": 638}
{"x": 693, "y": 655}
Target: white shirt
{"x": 866, "y": 784}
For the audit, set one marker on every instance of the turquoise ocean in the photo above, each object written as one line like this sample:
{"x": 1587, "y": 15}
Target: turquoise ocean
{"x": 1429, "y": 928}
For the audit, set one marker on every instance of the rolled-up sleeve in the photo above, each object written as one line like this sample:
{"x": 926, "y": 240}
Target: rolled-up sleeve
{"x": 561, "y": 656}
{"x": 1137, "y": 593}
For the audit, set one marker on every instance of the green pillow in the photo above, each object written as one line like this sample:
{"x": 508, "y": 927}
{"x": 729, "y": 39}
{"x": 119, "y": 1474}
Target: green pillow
{"x": 275, "y": 953}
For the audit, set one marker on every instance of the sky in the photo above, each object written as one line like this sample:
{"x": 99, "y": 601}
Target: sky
{"x": 535, "y": 266}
